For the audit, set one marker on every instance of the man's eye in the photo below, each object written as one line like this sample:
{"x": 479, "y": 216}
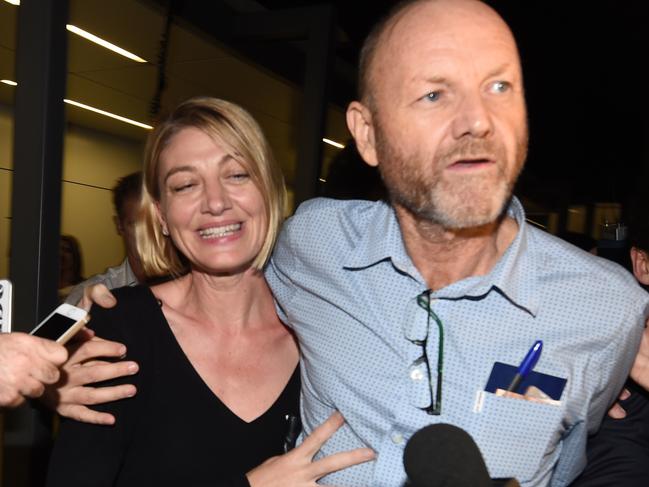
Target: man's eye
{"x": 432, "y": 96}
{"x": 500, "y": 86}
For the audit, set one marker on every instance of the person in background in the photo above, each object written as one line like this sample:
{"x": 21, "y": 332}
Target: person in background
{"x": 70, "y": 265}
{"x": 126, "y": 201}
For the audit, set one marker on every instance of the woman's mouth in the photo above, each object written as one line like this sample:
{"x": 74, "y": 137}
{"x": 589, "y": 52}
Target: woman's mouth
{"x": 220, "y": 231}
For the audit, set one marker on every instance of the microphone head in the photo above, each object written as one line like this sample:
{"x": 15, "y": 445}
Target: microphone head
{"x": 443, "y": 455}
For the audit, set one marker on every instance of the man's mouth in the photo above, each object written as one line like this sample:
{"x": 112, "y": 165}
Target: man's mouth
{"x": 219, "y": 232}
{"x": 471, "y": 163}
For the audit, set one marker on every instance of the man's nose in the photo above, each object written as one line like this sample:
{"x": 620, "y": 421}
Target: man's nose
{"x": 472, "y": 118}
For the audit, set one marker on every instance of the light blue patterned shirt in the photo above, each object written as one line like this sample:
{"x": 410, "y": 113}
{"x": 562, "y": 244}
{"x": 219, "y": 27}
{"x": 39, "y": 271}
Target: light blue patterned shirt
{"x": 344, "y": 282}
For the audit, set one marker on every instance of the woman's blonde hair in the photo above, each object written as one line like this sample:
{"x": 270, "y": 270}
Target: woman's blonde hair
{"x": 233, "y": 127}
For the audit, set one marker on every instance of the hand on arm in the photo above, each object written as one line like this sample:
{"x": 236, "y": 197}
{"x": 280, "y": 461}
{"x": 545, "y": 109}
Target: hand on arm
{"x": 73, "y": 392}
{"x": 27, "y": 364}
{"x": 639, "y": 373}
{"x": 297, "y": 468}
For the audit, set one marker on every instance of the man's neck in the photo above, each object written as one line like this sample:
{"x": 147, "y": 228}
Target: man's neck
{"x": 445, "y": 256}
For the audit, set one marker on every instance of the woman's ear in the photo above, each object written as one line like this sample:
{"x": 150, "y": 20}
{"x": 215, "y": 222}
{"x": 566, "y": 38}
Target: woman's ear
{"x": 640, "y": 262}
{"x": 161, "y": 219}
{"x": 361, "y": 126}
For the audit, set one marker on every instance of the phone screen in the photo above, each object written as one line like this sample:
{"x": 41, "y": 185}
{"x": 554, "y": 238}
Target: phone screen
{"x": 56, "y": 326}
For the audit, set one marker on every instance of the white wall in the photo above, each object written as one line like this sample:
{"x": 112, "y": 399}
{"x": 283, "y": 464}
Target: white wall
{"x": 92, "y": 162}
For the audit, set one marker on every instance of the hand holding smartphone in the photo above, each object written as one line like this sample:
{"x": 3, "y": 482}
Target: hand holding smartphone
{"x": 5, "y": 305}
{"x": 62, "y": 323}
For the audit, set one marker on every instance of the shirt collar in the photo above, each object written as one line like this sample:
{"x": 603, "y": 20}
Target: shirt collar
{"x": 513, "y": 276}
{"x": 129, "y": 275}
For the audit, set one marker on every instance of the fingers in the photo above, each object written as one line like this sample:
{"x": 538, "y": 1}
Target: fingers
{"x": 85, "y": 415}
{"x": 97, "y": 294}
{"x": 341, "y": 460}
{"x": 51, "y": 351}
{"x": 31, "y": 387}
{"x": 617, "y": 412}
{"x": 625, "y": 394}
{"x": 100, "y": 371}
{"x": 322, "y": 433}
{"x": 88, "y": 396}
{"x": 95, "y": 348}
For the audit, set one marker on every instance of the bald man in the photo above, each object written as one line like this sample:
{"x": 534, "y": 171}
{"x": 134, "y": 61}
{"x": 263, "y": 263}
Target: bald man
{"x": 407, "y": 311}
{"x": 403, "y": 310}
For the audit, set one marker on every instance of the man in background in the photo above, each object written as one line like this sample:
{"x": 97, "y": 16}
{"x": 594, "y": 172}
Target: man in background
{"x": 126, "y": 201}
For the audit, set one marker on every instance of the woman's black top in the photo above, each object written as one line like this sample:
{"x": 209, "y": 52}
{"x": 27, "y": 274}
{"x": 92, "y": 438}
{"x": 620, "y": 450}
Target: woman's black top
{"x": 174, "y": 431}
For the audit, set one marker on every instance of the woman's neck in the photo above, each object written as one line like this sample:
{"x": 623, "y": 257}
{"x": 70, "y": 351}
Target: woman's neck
{"x": 238, "y": 301}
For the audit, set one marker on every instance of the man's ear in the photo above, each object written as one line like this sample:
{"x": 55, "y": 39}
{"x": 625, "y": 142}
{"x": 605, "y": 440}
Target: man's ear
{"x": 361, "y": 126}
{"x": 640, "y": 262}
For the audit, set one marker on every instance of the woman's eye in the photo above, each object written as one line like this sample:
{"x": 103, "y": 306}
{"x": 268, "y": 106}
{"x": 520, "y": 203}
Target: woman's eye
{"x": 239, "y": 176}
{"x": 500, "y": 86}
{"x": 182, "y": 187}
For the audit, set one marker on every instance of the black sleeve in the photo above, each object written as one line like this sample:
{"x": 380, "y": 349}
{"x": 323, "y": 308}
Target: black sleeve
{"x": 234, "y": 481}
{"x": 618, "y": 454}
{"x": 91, "y": 455}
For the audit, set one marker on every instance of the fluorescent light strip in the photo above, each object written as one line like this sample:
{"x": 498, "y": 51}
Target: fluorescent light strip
{"x": 93, "y": 38}
{"x": 108, "y": 114}
{"x": 93, "y": 109}
{"x": 103, "y": 43}
{"x": 334, "y": 143}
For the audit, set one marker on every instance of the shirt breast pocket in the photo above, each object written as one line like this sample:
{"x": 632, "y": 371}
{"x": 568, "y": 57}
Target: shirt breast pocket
{"x": 515, "y": 434}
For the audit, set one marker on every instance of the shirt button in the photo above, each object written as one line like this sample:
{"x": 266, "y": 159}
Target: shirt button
{"x": 397, "y": 438}
{"x": 416, "y": 374}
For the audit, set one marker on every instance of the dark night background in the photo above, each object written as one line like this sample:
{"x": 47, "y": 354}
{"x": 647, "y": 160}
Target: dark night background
{"x": 587, "y": 81}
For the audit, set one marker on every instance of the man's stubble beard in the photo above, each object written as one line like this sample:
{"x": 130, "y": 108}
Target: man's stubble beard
{"x": 424, "y": 189}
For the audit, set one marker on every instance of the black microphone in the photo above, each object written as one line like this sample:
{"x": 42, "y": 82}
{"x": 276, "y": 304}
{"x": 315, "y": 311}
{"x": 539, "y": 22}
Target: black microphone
{"x": 443, "y": 455}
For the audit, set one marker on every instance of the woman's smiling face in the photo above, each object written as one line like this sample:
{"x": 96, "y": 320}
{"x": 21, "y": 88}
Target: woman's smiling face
{"x": 213, "y": 211}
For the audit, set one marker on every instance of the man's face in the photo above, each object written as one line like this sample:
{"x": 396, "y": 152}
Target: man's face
{"x": 448, "y": 113}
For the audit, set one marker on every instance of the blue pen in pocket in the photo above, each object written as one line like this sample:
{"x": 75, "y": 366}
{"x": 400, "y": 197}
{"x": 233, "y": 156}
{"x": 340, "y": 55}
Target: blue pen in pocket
{"x": 526, "y": 365}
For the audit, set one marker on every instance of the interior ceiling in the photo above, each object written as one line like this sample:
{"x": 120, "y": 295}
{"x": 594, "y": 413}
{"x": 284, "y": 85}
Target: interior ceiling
{"x": 585, "y": 66}
{"x": 197, "y": 64}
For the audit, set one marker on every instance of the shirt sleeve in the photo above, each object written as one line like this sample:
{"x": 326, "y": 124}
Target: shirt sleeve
{"x": 279, "y": 273}
{"x": 612, "y": 366}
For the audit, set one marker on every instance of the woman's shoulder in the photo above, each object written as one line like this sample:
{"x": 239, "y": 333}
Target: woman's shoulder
{"x": 133, "y": 314}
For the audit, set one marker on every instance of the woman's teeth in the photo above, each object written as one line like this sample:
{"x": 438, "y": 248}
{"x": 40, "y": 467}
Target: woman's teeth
{"x": 216, "y": 232}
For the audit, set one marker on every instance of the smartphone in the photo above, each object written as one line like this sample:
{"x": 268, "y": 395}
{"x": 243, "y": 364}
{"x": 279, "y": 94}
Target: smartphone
{"x": 5, "y": 305}
{"x": 62, "y": 323}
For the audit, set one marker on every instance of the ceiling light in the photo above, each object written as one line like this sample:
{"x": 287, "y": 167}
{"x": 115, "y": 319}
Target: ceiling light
{"x": 98, "y": 40}
{"x": 13, "y": 2}
{"x": 334, "y": 143}
{"x": 92, "y": 109}
{"x": 108, "y": 114}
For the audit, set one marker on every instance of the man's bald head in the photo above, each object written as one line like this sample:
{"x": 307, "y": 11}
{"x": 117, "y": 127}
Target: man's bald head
{"x": 442, "y": 112}
{"x": 466, "y": 10}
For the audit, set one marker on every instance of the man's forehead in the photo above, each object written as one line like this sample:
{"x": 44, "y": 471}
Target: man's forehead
{"x": 445, "y": 24}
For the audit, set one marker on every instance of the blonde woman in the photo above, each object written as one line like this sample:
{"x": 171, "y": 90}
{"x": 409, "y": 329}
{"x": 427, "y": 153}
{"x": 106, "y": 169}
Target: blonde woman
{"x": 218, "y": 383}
